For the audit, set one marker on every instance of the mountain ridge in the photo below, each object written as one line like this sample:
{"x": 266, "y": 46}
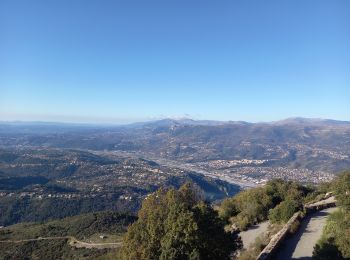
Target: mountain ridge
{"x": 293, "y": 143}
{"x": 181, "y": 121}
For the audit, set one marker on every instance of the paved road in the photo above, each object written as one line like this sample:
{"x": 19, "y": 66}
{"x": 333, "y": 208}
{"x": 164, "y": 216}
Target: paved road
{"x": 249, "y": 236}
{"x": 301, "y": 245}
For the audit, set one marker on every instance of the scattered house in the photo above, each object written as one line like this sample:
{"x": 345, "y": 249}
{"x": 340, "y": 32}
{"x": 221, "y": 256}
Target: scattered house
{"x": 103, "y": 236}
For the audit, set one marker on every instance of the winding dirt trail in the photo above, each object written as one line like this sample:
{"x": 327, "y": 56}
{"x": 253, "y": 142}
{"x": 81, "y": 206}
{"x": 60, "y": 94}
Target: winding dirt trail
{"x": 80, "y": 244}
{"x": 72, "y": 242}
{"x": 33, "y": 239}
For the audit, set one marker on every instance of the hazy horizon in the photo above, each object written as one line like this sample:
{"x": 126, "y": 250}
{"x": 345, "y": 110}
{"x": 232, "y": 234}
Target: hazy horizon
{"x": 146, "y": 120}
{"x": 121, "y": 62}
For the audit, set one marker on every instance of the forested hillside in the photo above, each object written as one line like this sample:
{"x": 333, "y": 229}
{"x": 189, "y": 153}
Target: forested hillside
{"x": 34, "y": 183}
{"x": 82, "y": 227}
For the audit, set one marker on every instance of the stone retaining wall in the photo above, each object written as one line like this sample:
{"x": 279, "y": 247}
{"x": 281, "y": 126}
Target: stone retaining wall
{"x": 279, "y": 237}
{"x": 276, "y": 240}
{"x": 326, "y": 203}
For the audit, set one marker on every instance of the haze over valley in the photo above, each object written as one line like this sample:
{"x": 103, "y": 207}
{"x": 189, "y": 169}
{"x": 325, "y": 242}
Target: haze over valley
{"x": 306, "y": 150}
{"x": 91, "y": 167}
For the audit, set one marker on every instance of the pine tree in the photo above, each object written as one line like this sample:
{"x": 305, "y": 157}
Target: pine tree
{"x": 175, "y": 224}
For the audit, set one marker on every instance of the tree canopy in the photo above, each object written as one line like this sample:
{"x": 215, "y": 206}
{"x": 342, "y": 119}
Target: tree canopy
{"x": 277, "y": 200}
{"x": 176, "y": 224}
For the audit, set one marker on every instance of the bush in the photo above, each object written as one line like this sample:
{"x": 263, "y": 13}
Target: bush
{"x": 252, "y": 206}
{"x": 246, "y": 208}
{"x": 326, "y": 250}
{"x": 254, "y": 250}
{"x": 283, "y": 211}
{"x": 342, "y": 190}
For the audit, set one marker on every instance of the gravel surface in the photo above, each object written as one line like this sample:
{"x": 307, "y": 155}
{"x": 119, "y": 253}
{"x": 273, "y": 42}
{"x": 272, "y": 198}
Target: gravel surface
{"x": 249, "y": 236}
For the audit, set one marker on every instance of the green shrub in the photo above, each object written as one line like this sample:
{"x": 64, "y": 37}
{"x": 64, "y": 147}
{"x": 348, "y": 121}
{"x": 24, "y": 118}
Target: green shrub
{"x": 283, "y": 211}
{"x": 254, "y": 205}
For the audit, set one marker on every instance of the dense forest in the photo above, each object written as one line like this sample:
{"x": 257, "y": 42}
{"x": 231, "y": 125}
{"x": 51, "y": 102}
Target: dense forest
{"x": 14, "y": 210}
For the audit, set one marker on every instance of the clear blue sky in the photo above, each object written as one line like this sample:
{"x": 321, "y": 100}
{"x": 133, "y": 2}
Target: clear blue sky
{"x": 121, "y": 61}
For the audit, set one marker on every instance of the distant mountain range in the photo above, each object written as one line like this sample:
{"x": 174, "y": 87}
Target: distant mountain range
{"x": 86, "y": 168}
{"x": 172, "y": 121}
{"x": 315, "y": 144}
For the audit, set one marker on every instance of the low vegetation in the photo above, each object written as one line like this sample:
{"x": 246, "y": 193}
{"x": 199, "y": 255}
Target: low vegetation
{"x": 254, "y": 249}
{"x": 277, "y": 201}
{"x": 335, "y": 240}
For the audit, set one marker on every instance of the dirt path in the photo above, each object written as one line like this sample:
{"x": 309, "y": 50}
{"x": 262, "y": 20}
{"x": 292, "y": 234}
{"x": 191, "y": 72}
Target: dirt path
{"x": 80, "y": 244}
{"x": 72, "y": 242}
{"x": 249, "y": 236}
{"x": 301, "y": 244}
{"x": 33, "y": 239}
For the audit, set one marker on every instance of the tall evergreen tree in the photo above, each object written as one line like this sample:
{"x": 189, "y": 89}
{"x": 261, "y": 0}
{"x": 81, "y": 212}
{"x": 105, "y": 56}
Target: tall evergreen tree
{"x": 175, "y": 224}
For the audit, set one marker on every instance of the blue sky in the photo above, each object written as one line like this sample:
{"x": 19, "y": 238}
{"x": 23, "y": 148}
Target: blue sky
{"x": 123, "y": 61}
